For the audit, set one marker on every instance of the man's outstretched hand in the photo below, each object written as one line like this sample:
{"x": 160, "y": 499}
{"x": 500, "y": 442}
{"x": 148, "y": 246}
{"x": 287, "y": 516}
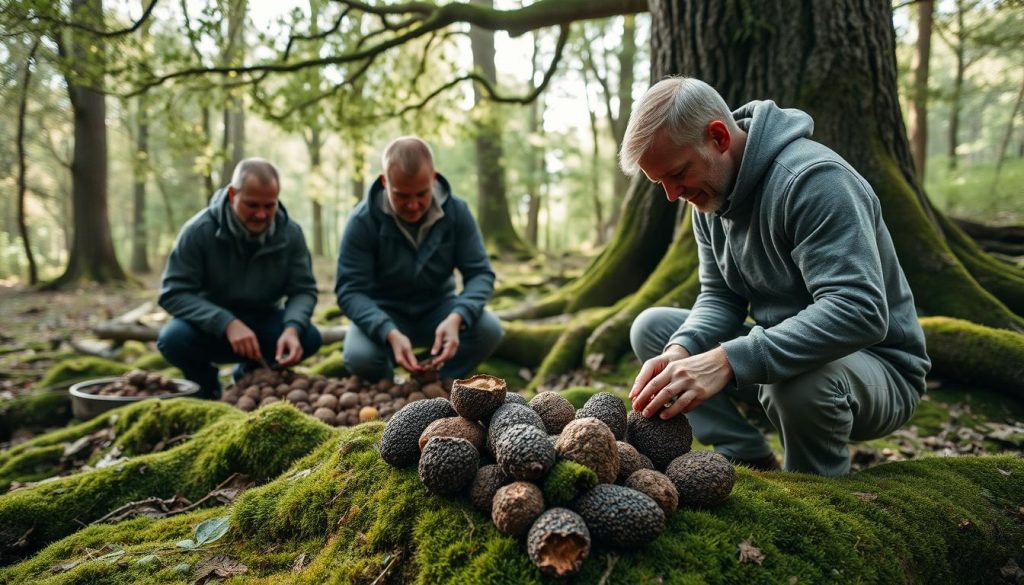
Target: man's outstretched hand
{"x": 446, "y": 340}
{"x": 289, "y": 349}
{"x": 682, "y": 381}
{"x": 402, "y": 348}
{"x": 243, "y": 341}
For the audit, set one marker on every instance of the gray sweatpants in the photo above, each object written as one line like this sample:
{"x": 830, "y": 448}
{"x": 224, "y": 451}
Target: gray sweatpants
{"x": 817, "y": 414}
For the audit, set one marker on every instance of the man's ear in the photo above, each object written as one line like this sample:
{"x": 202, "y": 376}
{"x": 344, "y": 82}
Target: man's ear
{"x": 231, "y": 194}
{"x": 383, "y": 180}
{"x": 719, "y": 135}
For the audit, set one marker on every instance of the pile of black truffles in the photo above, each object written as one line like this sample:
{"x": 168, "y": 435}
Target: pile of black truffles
{"x": 509, "y": 456}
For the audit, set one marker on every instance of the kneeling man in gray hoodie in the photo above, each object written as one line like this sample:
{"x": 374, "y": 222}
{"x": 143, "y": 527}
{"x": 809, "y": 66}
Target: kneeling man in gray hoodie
{"x": 791, "y": 236}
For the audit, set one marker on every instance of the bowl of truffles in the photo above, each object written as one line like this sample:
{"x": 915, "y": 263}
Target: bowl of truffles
{"x": 94, "y": 397}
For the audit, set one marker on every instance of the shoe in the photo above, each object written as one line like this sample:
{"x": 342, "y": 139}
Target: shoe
{"x": 766, "y": 463}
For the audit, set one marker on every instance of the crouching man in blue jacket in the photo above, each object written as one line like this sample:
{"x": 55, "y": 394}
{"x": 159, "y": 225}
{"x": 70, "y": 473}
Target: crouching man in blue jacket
{"x": 395, "y": 277}
{"x": 789, "y": 234}
{"x": 239, "y": 283}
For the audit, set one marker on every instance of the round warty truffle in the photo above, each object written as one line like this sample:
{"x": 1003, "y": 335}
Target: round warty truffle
{"x": 630, "y": 461}
{"x": 448, "y": 465}
{"x": 477, "y": 397}
{"x": 607, "y": 408}
{"x": 524, "y": 452}
{"x": 516, "y": 506}
{"x": 511, "y": 414}
{"x": 620, "y": 517}
{"x": 661, "y": 440}
{"x": 589, "y": 442}
{"x": 454, "y": 426}
{"x": 658, "y": 486}
{"x": 703, "y": 479}
{"x": 486, "y": 483}
{"x": 399, "y": 445}
{"x": 554, "y": 410}
{"x": 558, "y": 542}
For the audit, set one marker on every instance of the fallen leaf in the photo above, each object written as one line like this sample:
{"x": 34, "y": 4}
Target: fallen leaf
{"x": 750, "y": 553}
{"x": 866, "y": 497}
{"x": 964, "y": 524}
{"x": 212, "y": 530}
{"x": 1004, "y": 472}
{"x": 218, "y": 566}
{"x": 299, "y": 563}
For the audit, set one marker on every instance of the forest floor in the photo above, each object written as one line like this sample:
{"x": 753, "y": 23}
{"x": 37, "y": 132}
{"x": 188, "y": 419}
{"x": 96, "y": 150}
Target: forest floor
{"x": 41, "y": 329}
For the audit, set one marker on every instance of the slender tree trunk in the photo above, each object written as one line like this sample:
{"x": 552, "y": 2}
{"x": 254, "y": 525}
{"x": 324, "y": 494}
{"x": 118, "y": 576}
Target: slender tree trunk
{"x": 492, "y": 199}
{"x": 536, "y": 172}
{"x": 92, "y": 248}
{"x": 33, "y": 273}
{"x": 954, "y": 108}
{"x": 139, "y": 261}
{"x": 595, "y": 164}
{"x": 359, "y": 171}
{"x": 207, "y": 174}
{"x": 315, "y": 144}
{"x": 917, "y": 118}
{"x": 233, "y": 140}
{"x": 1001, "y": 155}
{"x": 617, "y": 124}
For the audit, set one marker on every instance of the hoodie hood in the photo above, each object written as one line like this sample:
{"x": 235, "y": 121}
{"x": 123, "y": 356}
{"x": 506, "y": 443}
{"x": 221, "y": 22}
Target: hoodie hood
{"x": 222, "y": 215}
{"x": 770, "y": 129}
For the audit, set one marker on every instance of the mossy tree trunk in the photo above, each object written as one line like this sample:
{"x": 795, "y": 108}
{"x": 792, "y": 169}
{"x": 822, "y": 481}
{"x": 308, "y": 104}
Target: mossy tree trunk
{"x": 837, "y": 63}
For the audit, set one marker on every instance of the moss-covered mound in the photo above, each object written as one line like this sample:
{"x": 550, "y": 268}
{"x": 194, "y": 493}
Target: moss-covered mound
{"x": 341, "y": 515}
{"x": 219, "y": 441}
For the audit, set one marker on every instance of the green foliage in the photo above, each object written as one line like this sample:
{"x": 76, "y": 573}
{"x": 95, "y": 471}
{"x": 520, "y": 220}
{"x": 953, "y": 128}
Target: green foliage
{"x": 36, "y": 410}
{"x": 332, "y": 366}
{"x": 567, "y": 480}
{"x": 151, "y": 361}
{"x": 973, "y": 190}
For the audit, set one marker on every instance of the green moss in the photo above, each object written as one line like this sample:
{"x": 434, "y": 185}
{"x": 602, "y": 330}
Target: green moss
{"x": 527, "y": 344}
{"x": 81, "y": 368}
{"x": 929, "y": 417}
{"x": 332, "y": 313}
{"x": 132, "y": 350}
{"x": 567, "y": 352}
{"x": 330, "y": 349}
{"x": 566, "y": 481}
{"x": 153, "y": 360}
{"x": 928, "y": 521}
{"x": 961, "y": 350}
{"x": 261, "y": 444}
{"x": 332, "y": 366}
{"x": 35, "y": 410}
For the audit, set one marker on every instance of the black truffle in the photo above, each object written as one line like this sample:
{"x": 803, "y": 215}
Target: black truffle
{"x": 524, "y": 452}
{"x": 609, "y": 409}
{"x": 661, "y": 440}
{"x": 704, "y": 479}
{"x": 399, "y": 445}
{"x": 554, "y": 410}
{"x": 448, "y": 465}
{"x": 620, "y": 517}
{"x": 558, "y": 542}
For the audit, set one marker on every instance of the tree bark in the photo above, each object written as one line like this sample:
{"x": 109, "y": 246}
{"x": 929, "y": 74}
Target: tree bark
{"x": 315, "y": 145}
{"x": 536, "y": 168}
{"x": 492, "y": 200}
{"x": 92, "y": 248}
{"x": 233, "y": 139}
{"x": 917, "y": 116}
{"x": 139, "y": 263}
{"x": 627, "y": 63}
{"x": 1001, "y": 155}
{"x": 23, "y": 108}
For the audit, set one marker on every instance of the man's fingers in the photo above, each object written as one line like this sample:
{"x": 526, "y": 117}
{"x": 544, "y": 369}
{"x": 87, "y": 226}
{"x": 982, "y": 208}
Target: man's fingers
{"x": 647, "y": 392}
{"x": 438, "y": 343}
{"x": 661, "y": 396}
{"x": 646, "y": 371}
{"x": 682, "y": 404}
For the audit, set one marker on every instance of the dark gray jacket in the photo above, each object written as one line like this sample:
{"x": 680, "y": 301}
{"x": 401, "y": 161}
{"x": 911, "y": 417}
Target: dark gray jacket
{"x": 800, "y": 245}
{"x": 211, "y": 273}
{"x": 381, "y": 272}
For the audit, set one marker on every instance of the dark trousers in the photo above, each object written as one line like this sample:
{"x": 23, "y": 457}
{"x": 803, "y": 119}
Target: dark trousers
{"x": 195, "y": 352}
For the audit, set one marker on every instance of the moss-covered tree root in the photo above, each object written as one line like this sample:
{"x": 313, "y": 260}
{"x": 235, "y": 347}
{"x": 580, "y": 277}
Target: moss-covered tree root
{"x": 968, "y": 352}
{"x": 261, "y": 444}
{"x": 341, "y": 515}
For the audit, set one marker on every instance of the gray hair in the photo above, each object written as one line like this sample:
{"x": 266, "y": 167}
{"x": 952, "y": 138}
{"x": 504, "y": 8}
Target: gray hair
{"x": 263, "y": 170}
{"x": 408, "y": 153}
{"x": 682, "y": 105}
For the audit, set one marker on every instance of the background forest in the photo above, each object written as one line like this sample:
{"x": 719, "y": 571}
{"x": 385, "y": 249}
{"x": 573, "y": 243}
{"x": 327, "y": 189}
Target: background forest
{"x": 551, "y": 163}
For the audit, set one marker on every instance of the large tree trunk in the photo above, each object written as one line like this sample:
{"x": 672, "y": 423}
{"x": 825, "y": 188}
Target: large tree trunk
{"x": 617, "y": 123}
{"x": 837, "y": 63}
{"x": 139, "y": 263}
{"x": 492, "y": 201}
{"x": 917, "y": 116}
{"x": 92, "y": 248}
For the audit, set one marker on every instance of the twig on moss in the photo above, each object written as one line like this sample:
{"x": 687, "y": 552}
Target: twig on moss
{"x": 387, "y": 569}
{"x": 612, "y": 559}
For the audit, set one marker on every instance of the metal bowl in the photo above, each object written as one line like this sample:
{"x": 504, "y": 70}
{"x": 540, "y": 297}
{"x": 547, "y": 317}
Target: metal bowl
{"x": 85, "y": 405}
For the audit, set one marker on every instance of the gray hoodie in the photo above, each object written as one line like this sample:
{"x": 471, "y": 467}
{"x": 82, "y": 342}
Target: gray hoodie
{"x": 215, "y": 271}
{"x": 801, "y": 247}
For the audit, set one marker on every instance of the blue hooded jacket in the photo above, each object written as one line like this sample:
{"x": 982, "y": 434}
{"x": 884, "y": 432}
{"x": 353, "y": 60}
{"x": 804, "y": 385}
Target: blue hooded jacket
{"x": 380, "y": 271}
{"x": 211, "y": 273}
{"x": 800, "y": 244}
